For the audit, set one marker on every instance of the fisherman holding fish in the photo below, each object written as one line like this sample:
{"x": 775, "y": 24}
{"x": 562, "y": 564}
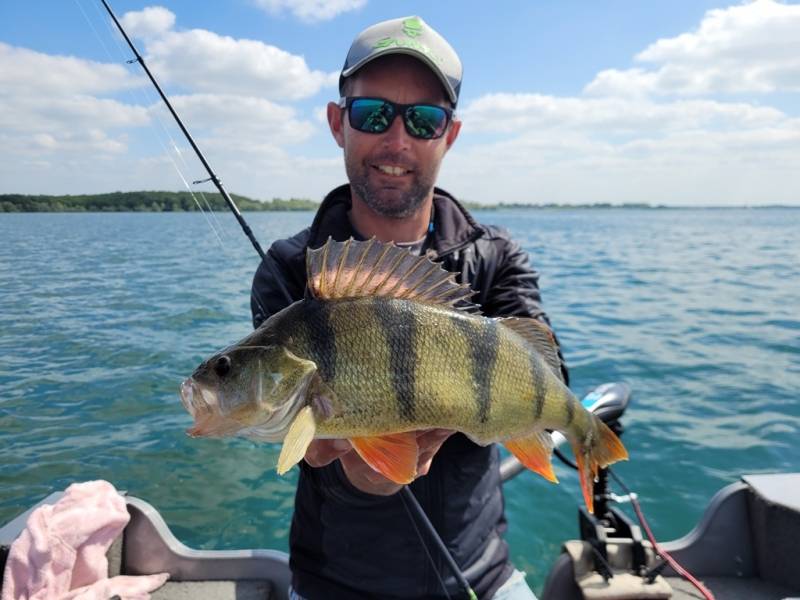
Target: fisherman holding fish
{"x": 373, "y": 365}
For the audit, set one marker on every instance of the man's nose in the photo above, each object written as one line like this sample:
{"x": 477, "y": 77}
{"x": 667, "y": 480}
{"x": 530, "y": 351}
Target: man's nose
{"x": 396, "y": 137}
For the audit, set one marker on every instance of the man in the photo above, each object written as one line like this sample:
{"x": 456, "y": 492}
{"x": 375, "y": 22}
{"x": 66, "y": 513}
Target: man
{"x": 351, "y": 536}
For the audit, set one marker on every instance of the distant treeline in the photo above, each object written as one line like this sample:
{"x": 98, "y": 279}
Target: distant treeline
{"x": 511, "y": 205}
{"x": 183, "y": 202}
{"x": 143, "y": 202}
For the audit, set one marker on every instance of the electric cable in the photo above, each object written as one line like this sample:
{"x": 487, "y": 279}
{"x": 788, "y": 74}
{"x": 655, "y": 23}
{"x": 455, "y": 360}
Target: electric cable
{"x": 707, "y": 594}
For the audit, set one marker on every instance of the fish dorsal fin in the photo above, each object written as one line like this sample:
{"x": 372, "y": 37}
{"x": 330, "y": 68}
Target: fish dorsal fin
{"x": 539, "y": 337}
{"x": 355, "y": 269}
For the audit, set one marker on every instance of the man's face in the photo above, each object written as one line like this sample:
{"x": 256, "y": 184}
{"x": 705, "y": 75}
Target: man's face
{"x": 392, "y": 172}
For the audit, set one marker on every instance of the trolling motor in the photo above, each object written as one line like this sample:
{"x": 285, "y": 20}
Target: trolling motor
{"x": 609, "y": 523}
{"x": 612, "y": 559}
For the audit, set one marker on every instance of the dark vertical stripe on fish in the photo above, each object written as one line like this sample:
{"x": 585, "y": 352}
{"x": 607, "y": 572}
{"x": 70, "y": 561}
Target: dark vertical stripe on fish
{"x": 483, "y": 343}
{"x": 322, "y": 338}
{"x": 570, "y": 410}
{"x": 400, "y": 328}
{"x": 539, "y": 385}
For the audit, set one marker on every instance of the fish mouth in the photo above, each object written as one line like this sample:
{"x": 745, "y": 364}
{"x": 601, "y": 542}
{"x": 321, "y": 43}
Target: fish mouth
{"x": 203, "y": 405}
{"x": 194, "y": 400}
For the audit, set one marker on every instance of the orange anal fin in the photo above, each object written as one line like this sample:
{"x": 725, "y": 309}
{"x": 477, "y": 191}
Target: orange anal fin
{"x": 393, "y": 456}
{"x": 534, "y": 451}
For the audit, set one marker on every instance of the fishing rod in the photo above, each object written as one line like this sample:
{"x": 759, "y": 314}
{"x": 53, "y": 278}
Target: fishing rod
{"x": 212, "y": 177}
{"x": 409, "y": 500}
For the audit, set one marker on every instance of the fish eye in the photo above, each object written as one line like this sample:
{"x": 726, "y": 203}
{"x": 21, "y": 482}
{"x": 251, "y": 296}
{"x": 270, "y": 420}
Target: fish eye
{"x": 222, "y": 366}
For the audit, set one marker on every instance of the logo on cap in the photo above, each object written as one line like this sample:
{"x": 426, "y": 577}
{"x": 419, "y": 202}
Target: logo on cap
{"x": 412, "y": 27}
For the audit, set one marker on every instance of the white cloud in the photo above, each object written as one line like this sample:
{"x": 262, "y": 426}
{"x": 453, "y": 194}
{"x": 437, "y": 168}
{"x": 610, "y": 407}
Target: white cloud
{"x": 68, "y": 113}
{"x": 242, "y": 118}
{"x": 753, "y": 165}
{"x": 510, "y": 113}
{"x": 48, "y": 106}
{"x": 311, "y": 10}
{"x": 634, "y": 136}
{"x": 753, "y": 47}
{"x": 204, "y": 61}
{"x": 29, "y": 72}
{"x": 149, "y": 22}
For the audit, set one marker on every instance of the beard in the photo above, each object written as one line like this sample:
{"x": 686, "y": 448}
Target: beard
{"x": 392, "y": 202}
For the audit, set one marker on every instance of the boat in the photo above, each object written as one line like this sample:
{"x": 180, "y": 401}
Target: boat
{"x": 744, "y": 546}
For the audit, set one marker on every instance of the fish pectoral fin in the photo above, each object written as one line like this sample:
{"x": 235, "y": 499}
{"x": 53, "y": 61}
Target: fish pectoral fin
{"x": 297, "y": 439}
{"x": 394, "y": 456}
{"x": 534, "y": 451}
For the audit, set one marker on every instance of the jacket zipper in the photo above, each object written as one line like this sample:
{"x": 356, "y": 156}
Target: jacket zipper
{"x": 474, "y": 237}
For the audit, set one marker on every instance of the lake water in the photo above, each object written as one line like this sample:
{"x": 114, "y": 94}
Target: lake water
{"x": 102, "y": 316}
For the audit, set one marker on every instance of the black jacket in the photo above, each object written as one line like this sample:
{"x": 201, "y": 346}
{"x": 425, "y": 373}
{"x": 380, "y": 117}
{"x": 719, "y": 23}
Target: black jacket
{"x": 346, "y": 544}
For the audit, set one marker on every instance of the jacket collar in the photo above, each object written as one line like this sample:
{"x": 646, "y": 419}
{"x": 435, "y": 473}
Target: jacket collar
{"x": 453, "y": 225}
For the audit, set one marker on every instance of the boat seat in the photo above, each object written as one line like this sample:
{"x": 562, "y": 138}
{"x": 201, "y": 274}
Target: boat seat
{"x": 750, "y": 588}
{"x": 743, "y": 547}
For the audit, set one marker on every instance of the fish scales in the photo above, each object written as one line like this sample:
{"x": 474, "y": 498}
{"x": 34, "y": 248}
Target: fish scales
{"x": 402, "y": 366}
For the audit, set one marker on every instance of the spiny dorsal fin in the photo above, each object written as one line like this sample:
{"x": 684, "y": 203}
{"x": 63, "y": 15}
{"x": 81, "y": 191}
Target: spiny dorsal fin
{"x": 539, "y": 337}
{"x": 355, "y": 269}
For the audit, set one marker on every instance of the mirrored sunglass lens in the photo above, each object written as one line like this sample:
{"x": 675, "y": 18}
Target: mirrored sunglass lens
{"x": 426, "y": 121}
{"x": 371, "y": 116}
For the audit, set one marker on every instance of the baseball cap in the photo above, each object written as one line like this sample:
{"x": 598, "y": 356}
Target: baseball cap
{"x": 411, "y": 36}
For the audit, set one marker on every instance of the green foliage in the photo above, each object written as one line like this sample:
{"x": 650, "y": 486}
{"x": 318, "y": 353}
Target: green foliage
{"x": 144, "y": 202}
{"x": 551, "y": 205}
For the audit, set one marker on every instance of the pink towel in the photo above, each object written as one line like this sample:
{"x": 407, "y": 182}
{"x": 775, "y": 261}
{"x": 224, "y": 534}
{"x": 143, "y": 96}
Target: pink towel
{"x": 61, "y": 554}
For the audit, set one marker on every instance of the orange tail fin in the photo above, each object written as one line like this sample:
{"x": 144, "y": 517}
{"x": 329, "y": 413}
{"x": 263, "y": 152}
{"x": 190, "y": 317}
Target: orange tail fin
{"x": 605, "y": 449}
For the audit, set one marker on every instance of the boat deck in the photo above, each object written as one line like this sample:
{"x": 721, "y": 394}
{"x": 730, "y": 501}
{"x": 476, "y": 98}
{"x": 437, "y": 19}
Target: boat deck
{"x": 732, "y": 588}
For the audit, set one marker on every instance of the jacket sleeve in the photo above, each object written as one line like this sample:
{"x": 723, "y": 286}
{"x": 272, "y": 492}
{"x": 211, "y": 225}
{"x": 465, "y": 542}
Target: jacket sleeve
{"x": 280, "y": 278}
{"x": 515, "y": 288}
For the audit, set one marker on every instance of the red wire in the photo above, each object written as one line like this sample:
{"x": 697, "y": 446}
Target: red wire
{"x": 665, "y": 555}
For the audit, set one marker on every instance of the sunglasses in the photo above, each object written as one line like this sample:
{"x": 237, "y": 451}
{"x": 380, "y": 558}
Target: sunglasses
{"x": 376, "y": 115}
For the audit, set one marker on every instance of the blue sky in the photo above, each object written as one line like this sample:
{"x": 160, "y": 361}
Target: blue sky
{"x": 683, "y": 103}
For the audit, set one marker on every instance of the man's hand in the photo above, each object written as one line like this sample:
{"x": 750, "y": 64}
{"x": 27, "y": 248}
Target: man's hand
{"x": 364, "y": 477}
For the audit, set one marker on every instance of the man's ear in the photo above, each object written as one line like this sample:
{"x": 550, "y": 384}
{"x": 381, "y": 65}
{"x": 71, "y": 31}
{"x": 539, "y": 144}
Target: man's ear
{"x": 452, "y": 132}
{"x": 336, "y": 123}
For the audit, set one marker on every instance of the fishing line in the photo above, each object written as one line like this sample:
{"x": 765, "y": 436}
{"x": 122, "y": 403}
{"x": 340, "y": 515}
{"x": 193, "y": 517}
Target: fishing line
{"x": 231, "y": 205}
{"x": 212, "y": 176}
{"x": 424, "y": 545}
{"x": 409, "y": 498}
{"x": 151, "y": 103}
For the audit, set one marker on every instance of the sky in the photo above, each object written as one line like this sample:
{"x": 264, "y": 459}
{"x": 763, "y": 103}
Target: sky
{"x": 686, "y": 103}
